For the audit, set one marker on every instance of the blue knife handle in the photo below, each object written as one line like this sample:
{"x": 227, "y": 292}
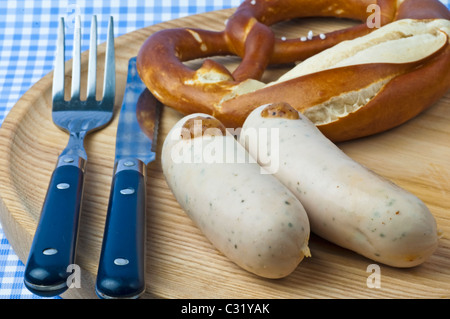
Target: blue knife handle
{"x": 121, "y": 268}
{"x": 54, "y": 243}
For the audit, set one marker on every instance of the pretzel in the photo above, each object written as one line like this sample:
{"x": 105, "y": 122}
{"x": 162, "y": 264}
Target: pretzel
{"x": 230, "y": 97}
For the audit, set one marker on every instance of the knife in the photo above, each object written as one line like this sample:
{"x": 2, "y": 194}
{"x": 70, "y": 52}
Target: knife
{"x": 122, "y": 259}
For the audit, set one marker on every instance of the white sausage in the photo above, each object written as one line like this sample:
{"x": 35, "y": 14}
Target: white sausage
{"x": 346, "y": 203}
{"x": 250, "y": 217}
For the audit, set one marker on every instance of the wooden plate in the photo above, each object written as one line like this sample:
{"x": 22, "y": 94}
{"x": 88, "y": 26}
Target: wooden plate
{"x": 181, "y": 263}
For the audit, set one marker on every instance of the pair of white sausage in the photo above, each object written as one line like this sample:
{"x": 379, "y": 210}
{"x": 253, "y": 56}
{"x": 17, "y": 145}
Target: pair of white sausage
{"x": 258, "y": 220}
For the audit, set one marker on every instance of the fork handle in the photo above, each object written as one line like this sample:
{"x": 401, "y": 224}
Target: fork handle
{"x": 54, "y": 243}
{"x": 121, "y": 269}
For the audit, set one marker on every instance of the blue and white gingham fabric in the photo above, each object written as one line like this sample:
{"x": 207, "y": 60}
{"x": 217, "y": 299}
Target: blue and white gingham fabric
{"x": 28, "y": 31}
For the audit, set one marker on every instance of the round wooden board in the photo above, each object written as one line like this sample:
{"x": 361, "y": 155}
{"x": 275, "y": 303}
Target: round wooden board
{"x": 181, "y": 263}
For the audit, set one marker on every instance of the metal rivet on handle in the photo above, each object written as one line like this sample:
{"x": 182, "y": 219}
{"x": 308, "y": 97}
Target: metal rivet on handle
{"x": 62, "y": 186}
{"x": 121, "y": 261}
{"x": 127, "y": 191}
{"x": 50, "y": 251}
{"x": 129, "y": 163}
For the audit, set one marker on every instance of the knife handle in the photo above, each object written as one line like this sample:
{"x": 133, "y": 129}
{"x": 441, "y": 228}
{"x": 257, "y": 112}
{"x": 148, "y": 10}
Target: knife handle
{"x": 54, "y": 243}
{"x": 122, "y": 259}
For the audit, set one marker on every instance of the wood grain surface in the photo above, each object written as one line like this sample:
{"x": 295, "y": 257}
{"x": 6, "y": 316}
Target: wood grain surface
{"x": 181, "y": 263}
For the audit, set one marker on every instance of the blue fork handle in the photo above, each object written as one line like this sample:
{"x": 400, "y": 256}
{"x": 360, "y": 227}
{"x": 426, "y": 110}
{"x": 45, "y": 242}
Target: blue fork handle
{"x": 121, "y": 268}
{"x": 54, "y": 243}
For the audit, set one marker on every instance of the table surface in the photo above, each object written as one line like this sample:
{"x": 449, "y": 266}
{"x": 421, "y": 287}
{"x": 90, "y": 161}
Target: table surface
{"x": 27, "y": 46}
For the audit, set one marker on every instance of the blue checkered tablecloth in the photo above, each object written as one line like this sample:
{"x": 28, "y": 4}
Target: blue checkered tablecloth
{"x": 27, "y": 46}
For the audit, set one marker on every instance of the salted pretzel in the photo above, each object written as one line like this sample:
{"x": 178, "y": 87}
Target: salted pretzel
{"x": 381, "y": 91}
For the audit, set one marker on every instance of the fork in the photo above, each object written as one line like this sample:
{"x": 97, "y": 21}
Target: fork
{"x": 50, "y": 268}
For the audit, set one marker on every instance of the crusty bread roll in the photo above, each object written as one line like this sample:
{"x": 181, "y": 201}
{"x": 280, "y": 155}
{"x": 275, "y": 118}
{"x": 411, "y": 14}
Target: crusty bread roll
{"x": 402, "y": 41}
{"x": 348, "y": 89}
{"x": 362, "y": 86}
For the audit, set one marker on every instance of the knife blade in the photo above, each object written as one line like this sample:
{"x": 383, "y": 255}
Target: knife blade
{"x": 121, "y": 270}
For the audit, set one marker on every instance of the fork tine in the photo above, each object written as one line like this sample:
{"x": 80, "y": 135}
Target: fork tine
{"x": 92, "y": 72}
{"x": 109, "y": 83}
{"x": 58, "y": 73}
{"x": 76, "y": 66}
